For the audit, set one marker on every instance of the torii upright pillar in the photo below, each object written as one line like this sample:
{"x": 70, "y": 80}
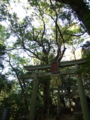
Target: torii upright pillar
{"x": 83, "y": 100}
{"x": 34, "y": 96}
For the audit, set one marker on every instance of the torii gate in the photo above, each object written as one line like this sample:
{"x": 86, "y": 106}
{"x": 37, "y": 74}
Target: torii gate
{"x": 36, "y": 74}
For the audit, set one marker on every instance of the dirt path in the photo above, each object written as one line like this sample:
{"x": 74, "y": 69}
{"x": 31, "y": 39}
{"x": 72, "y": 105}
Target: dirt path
{"x": 67, "y": 117}
{"x": 64, "y": 117}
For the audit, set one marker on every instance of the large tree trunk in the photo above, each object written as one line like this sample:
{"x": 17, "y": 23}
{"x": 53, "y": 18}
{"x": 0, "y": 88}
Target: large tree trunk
{"x": 46, "y": 95}
{"x": 82, "y": 11}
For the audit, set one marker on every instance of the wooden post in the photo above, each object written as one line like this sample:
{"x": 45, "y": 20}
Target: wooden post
{"x": 34, "y": 96}
{"x": 58, "y": 102}
{"x": 83, "y": 100}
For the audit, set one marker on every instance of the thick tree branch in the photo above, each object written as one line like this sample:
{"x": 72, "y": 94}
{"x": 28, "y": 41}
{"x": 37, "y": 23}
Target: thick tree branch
{"x": 41, "y": 42}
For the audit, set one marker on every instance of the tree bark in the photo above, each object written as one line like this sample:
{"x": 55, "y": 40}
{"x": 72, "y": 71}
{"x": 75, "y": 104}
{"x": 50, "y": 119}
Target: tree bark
{"x": 82, "y": 11}
{"x": 46, "y": 96}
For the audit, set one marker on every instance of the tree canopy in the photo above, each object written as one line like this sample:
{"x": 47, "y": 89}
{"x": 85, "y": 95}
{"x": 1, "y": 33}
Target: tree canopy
{"x": 41, "y": 35}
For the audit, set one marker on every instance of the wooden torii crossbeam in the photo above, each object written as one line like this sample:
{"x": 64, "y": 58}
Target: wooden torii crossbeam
{"x": 61, "y": 65}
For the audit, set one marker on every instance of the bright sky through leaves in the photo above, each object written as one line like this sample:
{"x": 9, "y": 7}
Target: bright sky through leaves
{"x": 21, "y": 8}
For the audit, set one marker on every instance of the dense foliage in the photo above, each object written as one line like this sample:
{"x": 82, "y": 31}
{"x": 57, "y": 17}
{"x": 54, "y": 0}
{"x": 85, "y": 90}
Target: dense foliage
{"x": 40, "y": 36}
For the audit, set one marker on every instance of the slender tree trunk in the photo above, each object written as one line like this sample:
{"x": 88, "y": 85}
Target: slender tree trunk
{"x": 25, "y": 99}
{"x": 20, "y": 83}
